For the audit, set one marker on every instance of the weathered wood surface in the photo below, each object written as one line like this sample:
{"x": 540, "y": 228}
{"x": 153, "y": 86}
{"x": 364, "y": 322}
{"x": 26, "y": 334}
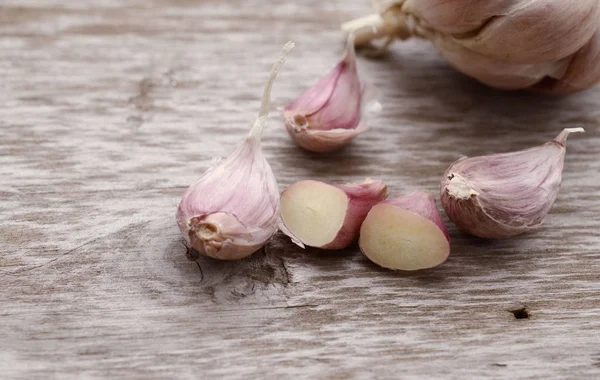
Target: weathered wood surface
{"x": 110, "y": 109}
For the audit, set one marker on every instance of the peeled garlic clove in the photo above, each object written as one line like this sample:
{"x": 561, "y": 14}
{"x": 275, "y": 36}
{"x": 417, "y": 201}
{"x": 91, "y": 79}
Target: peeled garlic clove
{"x": 503, "y": 195}
{"x": 329, "y": 115}
{"x": 326, "y": 216}
{"x": 405, "y": 233}
{"x": 233, "y": 209}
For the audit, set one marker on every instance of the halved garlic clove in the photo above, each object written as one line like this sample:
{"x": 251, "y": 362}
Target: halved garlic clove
{"x": 233, "y": 209}
{"x": 330, "y": 114}
{"x": 326, "y": 216}
{"x": 405, "y": 233}
{"x": 503, "y": 195}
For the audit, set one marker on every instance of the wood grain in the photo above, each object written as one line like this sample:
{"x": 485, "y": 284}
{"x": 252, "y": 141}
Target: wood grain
{"x": 110, "y": 109}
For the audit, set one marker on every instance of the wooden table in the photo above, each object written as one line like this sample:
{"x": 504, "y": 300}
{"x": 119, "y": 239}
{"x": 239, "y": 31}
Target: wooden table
{"x": 110, "y": 109}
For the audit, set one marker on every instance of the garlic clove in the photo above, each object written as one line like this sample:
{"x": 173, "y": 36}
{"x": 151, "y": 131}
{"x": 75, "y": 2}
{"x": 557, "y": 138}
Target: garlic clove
{"x": 326, "y": 216}
{"x": 503, "y": 195}
{"x": 233, "y": 209}
{"x": 405, "y": 233}
{"x": 329, "y": 115}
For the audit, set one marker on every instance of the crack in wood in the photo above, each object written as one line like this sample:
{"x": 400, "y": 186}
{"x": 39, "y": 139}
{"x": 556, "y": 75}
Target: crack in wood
{"x": 520, "y": 313}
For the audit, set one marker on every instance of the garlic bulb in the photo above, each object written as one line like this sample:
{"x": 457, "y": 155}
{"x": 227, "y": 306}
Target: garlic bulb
{"x": 233, "y": 209}
{"x": 542, "y": 45}
{"x": 507, "y": 194}
{"x": 329, "y": 115}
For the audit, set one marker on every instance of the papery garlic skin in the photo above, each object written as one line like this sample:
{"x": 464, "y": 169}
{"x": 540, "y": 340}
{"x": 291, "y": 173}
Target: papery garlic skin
{"x": 541, "y": 45}
{"x": 233, "y": 209}
{"x": 326, "y": 216}
{"x": 329, "y": 115}
{"x": 323, "y": 141}
{"x": 504, "y": 195}
{"x": 582, "y": 71}
{"x": 405, "y": 233}
{"x": 515, "y": 31}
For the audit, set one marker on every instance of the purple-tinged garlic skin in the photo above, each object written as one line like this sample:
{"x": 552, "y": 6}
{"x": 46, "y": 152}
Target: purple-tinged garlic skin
{"x": 362, "y": 197}
{"x": 540, "y": 45}
{"x": 233, "y": 209}
{"x": 329, "y": 115}
{"x": 324, "y": 141}
{"x": 405, "y": 233}
{"x": 317, "y": 214}
{"x": 503, "y": 195}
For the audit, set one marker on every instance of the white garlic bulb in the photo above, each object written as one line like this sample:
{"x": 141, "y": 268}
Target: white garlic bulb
{"x": 542, "y": 45}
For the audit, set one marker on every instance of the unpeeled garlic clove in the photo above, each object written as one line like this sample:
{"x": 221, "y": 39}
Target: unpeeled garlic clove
{"x": 503, "y": 195}
{"x": 325, "y": 216}
{"x": 329, "y": 115}
{"x": 405, "y": 233}
{"x": 233, "y": 209}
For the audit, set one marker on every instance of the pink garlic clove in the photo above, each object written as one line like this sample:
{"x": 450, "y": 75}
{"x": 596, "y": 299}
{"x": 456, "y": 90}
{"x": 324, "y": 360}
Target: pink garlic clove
{"x": 233, "y": 209}
{"x": 503, "y": 195}
{"x": 326, "y": 216}
{"x": 405, "y": 233}
{"x": 329, "y": 115}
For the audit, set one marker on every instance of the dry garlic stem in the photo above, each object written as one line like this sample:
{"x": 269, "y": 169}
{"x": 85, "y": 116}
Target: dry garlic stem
{"x": 327, "y": 216}
{"x": 233, "y": 209}
{"x": 546, "y": 45}
{"x": 507, "y": 194}
{"x": 329, "y": 115}
{"x": 405, "y": 233}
